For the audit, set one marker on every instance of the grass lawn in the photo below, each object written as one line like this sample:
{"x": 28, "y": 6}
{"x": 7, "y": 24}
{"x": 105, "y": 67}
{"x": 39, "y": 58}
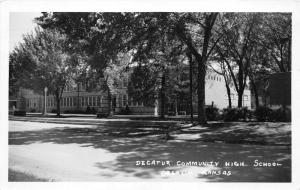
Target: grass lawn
{"x": 16, "y": 176}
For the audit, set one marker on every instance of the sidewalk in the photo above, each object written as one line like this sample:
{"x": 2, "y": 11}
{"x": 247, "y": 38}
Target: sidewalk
{"x": 260, "y": 133}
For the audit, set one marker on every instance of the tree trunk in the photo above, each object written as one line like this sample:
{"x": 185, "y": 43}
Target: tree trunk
{"x": 255, "y": 94}
{"x": 162, "y": 96}
{"x": 176, "y": 106}
{"x": 109, "y": 106}
{"x": 201, "y": 93}
{"x": 228, "y": 94}
{"x": 57, "y": 97}
{"x": 191, "y": 86}
{"x": 240, "y": 98}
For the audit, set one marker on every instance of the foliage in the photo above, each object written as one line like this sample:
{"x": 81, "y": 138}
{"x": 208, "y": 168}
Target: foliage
{"x": 275, "y": 37}
{"x": 144, "y": 84}
{"x": 263, "y": 113}
{"x": 237, "y": 114}
{"x": 101, "y": 37}
{"x": 125, "y": 111}
{"x": 276, "y": 115}
{"x": 19, "y": 113}
{"x": 42, "y": 61}
{"x": 212, "y": 113}
{"x": 152, "y": 48}
{"x": 74, "y": 111}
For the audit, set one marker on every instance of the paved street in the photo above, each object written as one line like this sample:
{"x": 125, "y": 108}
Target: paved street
{"x": 66, "y": 149}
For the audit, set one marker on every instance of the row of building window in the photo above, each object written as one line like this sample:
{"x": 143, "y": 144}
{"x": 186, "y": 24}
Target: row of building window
{"x": 214, "y": 78}
{"x": 92, "y": 101}
{"x": 32, "y": 103}
{"x": 82, "y": 86}
{"x": 129, "y": 101}
{"x": 235, "y": 97}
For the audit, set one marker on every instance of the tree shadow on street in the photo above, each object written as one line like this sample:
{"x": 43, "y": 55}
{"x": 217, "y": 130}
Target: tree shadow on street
{"x": 147, "y": 142}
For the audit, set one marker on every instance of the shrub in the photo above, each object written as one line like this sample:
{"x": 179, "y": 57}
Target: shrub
{"x": 32, "y": 110}
{"x": 53, "y": 111}
{"x": 88, "y": 110}
{"x": 74, "y": 111}
{"x": 212, "y": 113}
{"x": 125, "y": 111}
{"x": 231, "y": 114}
{"x": 19, "y": 113}
{"x": 181, "y": 112}
{"x": 102, "y": 115}
{"x": 237, "y": 114}
{"x": 93, "y": 110}
{"x": 171, "y": 113}
{"x": 280, "y": 115}
{"x": 263, "y": 113}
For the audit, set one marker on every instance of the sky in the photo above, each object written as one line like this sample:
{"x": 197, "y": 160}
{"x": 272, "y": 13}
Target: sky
{"x": 20, "y": 23}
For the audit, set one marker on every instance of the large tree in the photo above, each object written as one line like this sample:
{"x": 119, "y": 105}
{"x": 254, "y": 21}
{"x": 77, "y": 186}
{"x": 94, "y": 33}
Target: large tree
{"x": 276, "y": 39}
{"x": 101, "y": 36}
{"x": 196, "y": 30}
{"x": 271, "y": 53}
{"x": 236, "y": 48}
{"x": 42, "y": 61}
{"x": 106, "y": 34}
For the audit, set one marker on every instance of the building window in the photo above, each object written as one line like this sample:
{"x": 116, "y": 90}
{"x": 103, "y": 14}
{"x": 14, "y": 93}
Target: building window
{"x": 74, "y": 101}
{"x": 124, "y": 100}
{"x": 129, "y": 101}
{"x": 98, "y": 101}
{"x": 245, "y": 97}
{"x": 94, "y": 101}
{"x": 90, "y": 101}
{"x": 140, "y": 103}
{"x": 232, "y": 96}
{"x": 79, "y": 101}
{"x": 125, "y": 83}
{"x": 134, "y": 103}
{"x": 82, "y": 101}
{"x": 86, "y": 102}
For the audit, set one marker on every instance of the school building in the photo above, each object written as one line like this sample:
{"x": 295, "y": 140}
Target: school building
{"x": 78, "y": 97}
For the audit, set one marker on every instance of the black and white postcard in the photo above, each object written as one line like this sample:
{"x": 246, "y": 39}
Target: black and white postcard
{"x": 170, "y": 93}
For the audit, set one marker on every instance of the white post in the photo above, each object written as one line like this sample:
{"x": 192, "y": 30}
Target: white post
{"x": 45, "y": 101}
